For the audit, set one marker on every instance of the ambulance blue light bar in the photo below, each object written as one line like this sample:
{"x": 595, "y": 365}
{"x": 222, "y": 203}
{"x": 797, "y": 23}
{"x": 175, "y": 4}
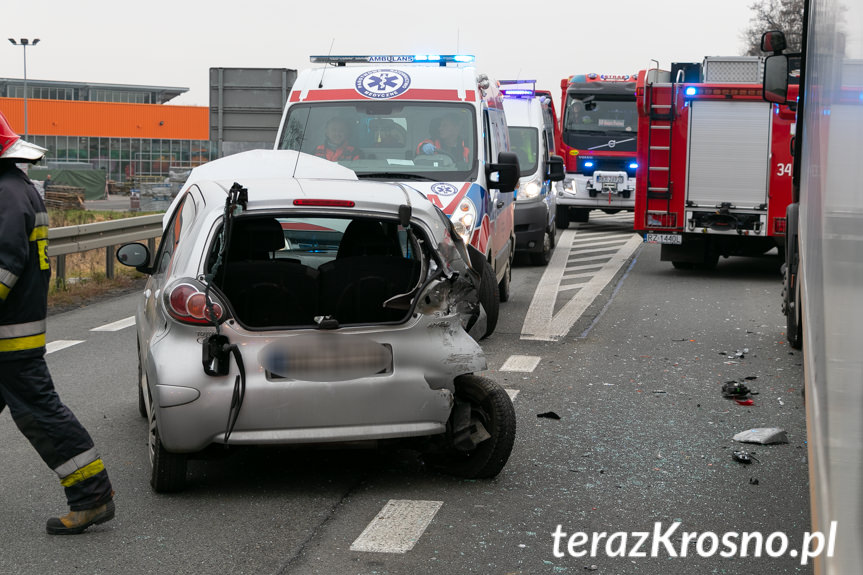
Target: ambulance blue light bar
{"x": 518, "y": 88}
{"x": 442, "y": 59}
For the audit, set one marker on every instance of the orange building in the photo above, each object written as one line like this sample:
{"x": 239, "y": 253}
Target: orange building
{"x": 126, "y": 130}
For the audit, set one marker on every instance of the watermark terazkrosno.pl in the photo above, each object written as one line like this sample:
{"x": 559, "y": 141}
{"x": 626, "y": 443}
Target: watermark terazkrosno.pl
{"x": 668, "y": 542}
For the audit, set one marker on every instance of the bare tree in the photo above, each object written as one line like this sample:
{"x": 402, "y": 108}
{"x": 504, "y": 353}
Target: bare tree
{"x": 785, "y": 15}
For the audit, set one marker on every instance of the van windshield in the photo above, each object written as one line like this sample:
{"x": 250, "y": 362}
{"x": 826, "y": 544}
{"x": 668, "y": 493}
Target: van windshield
{"x": 388, "y": 140}
{"x": 524, "y": 142}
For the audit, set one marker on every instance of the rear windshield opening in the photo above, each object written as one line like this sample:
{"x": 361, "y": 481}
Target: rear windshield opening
{"x": 285, "y": 271}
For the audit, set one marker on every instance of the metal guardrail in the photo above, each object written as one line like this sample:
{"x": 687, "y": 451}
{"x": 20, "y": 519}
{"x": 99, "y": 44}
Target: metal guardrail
{"x": 84, "y": 237}
{"x": 75, "y": 239}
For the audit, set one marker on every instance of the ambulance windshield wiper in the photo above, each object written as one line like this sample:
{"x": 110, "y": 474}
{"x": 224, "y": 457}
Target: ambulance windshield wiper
{"x": 397, "y": 176}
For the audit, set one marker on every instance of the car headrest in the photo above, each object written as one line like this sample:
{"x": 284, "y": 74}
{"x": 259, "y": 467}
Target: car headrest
{"x": 255, "y": 238}
{"x": 366, "y": 238}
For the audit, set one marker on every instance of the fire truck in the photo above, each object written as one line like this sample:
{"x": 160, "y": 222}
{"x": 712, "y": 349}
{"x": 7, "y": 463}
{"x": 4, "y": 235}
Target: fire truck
{"x": 598, "y": 128}
{"x": 715, "y": 161}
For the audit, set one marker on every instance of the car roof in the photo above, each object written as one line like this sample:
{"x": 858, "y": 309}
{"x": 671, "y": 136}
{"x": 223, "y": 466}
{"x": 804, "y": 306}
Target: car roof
{"x": 275, "y": 178}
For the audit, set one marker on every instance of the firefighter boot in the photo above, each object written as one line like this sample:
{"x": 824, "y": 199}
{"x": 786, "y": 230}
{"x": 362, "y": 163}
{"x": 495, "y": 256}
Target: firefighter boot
{"x": 76, "y": 522}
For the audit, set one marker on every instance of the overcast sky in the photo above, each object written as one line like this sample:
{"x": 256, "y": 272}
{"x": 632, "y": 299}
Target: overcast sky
{"x": 157, "y": 42}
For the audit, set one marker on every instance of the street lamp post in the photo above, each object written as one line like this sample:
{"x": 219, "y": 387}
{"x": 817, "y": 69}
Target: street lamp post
{"x": 24, "y": 43}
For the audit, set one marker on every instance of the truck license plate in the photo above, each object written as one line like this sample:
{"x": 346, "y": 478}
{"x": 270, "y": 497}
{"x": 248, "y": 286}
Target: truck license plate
{"x": 663, "y": 238}
{"x": 610, "y": 179}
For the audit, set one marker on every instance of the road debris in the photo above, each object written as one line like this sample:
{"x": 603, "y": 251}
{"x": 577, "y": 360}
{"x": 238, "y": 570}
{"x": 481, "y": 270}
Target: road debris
{"x": 762, "y": 435}
{"x": 734, "y": 390}
{"x": 548, "y": 415}
{"x": 742, "y": 457}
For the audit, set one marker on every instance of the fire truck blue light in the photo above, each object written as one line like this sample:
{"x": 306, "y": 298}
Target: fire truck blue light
{"x": 633, "y": 166}
{"x": 588, "y": 164}
{"x": 691, "y": 91}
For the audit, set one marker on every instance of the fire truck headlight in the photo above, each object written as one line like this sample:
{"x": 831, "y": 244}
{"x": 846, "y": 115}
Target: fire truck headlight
{"x": 464, "y": 219}
{"x": 528, "y": 190}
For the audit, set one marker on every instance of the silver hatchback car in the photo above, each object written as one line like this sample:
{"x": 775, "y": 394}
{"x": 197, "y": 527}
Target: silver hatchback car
{"x": 290, "y": 303}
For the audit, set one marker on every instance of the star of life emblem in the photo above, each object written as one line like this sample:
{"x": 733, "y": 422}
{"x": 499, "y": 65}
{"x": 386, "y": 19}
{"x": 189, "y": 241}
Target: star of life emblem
{"x": 382, "y": 84}
{"x": 443, "y": 189}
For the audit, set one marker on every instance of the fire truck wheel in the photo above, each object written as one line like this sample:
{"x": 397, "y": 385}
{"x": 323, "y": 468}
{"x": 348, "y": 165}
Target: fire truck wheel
{"x": 581, "y": 215}
{"x": 561, "y": 218}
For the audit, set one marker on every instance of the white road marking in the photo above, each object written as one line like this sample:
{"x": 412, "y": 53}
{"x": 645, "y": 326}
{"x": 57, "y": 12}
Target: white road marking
{"x": 117, "y": 325}
{"x": 397, "y": 527}
{"x": 53, "y": 346}
{"x": 541, "y": 323}
{"x": 512, "y": 393}
{"x": 526, "y": 363}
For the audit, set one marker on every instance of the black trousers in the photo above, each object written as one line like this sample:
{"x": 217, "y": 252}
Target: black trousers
{"x": 54, "y": 431}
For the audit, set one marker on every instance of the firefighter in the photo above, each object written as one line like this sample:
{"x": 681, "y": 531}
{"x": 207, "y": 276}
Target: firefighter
{"x": 26, "y": 386}
{"x": 336, "y": 146}
{"x": 445, "y": 139}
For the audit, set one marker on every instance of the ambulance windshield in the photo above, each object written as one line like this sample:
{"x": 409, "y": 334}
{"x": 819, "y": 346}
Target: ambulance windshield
{"x": 427, "y": 140}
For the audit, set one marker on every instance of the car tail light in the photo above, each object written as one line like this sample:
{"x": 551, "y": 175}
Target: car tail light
{"x": 779, "y": 226}
{"x": 187, "y": 302}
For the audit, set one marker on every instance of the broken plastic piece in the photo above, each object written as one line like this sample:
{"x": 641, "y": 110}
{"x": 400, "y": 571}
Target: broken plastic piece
{"x": 744, "y": 402}
{"x": 753, "y": 481}
{"x": 548, "y": 415}
{"x": 732, "y": 389}
{"x": 742, "y": 457}
{"x": 762, "y": 435}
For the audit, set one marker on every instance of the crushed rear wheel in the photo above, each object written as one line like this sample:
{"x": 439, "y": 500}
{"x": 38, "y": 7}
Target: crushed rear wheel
{"x": 481, "y": 449}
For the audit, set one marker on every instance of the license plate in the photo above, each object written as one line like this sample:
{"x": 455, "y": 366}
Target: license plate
{"x": 663, "y": 238}
{"x": 609, "y": 179}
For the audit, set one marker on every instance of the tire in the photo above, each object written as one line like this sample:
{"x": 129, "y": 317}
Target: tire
{"x": 793, "y": 317}
{"x": 561, "y": 217}
{"x": 491, "y": 405}
{"x": 506, "y": 282}
{"x": 167, "y": 470}
{"x": 504, "y": 285}
{"x": 489, "y": 297}
{"x": 542, "y": 258}
{"x": 581, "y": 216}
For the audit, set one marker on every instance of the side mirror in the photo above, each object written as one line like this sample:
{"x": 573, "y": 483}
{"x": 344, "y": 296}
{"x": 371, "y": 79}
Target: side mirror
{"x": 554, "y": 170}
{"x": 775, "y": 84}
{"x": 136, "y": 256}
{"x": 504, "y": 174}
{"x": 773, "y": 41}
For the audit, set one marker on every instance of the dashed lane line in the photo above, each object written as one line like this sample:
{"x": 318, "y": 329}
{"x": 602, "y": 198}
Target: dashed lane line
{"x": 397, "y": 527}
{"x": 53, "y": 346}
{"x": 525, "y": 363}
{"x": 117, "y": 325}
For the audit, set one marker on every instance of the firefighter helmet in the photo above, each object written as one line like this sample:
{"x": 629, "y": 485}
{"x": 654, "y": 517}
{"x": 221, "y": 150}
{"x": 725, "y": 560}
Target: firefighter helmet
{"x": 12, "y": 146}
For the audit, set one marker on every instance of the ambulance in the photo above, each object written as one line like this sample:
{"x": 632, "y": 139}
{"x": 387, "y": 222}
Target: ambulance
{"x": 431, "y": 122}
{"x": 532, "y": 137}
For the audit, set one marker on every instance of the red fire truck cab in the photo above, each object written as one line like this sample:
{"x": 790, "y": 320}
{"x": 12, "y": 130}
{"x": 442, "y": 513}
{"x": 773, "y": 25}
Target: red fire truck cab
{"x": 714, "y": 161}
{"x": 597, "y": 141}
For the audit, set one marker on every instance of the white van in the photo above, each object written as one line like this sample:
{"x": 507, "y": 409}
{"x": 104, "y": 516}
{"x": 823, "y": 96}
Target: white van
{"x": 431, "y": 122}
{"x": 531, "y": 135}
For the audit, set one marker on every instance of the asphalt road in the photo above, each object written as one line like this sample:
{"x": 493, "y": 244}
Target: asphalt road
{"x": 643, "y": 437}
